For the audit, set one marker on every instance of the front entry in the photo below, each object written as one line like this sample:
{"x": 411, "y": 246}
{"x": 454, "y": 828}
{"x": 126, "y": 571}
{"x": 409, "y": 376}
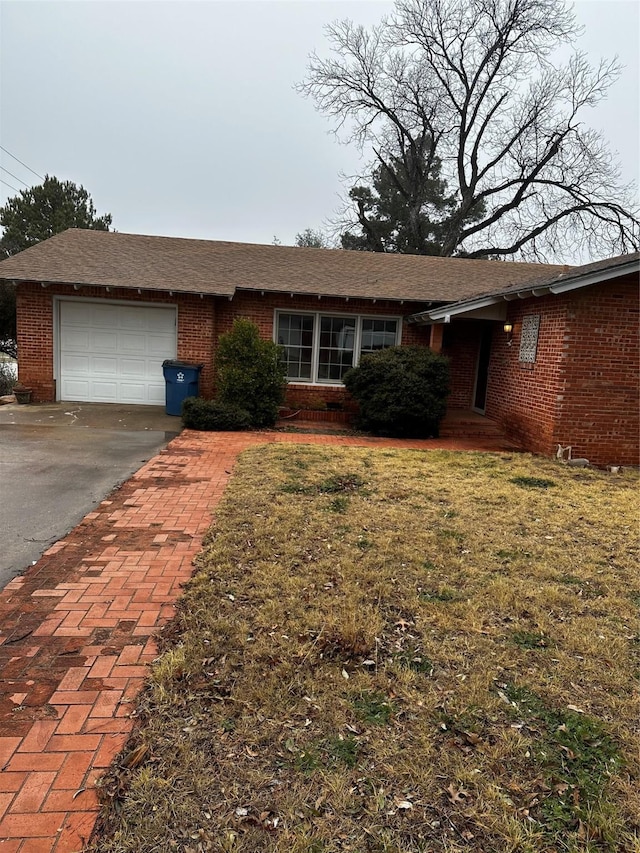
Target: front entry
{"x": 482, "y": 369}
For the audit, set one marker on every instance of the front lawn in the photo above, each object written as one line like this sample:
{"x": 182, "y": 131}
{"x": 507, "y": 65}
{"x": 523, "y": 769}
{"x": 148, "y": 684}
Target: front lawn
{"x": 393, "y": 651}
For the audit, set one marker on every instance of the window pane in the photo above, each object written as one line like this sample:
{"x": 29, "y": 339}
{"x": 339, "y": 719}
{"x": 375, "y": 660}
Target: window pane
{"x": 378, "y": 334}
{"x": 295, "y": 334}
{"x": 337, "y": 337}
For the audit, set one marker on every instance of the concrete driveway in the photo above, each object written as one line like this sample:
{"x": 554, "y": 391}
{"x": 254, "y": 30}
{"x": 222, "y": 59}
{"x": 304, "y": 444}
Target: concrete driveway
{"x": 59, "y": 460}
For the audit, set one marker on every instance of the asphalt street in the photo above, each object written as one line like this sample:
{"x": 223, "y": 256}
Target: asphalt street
{"x": 52, "y": 476}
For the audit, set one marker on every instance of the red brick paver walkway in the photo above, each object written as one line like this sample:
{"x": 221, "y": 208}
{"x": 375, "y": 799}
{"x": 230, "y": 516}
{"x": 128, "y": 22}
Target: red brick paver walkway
{"x": 76, "y": 630}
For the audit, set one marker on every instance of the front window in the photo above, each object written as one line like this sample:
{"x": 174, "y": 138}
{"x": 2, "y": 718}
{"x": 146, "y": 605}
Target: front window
{"x": 322, "y": 347}
{"x": 295, "y": 334}
{"x": 337, "y": 347}
{"x": 378, "y": 334}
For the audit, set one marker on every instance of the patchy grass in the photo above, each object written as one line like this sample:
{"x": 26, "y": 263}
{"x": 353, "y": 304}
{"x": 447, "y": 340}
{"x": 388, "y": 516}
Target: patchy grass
{"x": 416, "y": 655}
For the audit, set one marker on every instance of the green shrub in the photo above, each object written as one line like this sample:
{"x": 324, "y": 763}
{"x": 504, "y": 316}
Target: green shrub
{"x": 250, "y": 373}
{"x": 401, "y": 391}
{"x": 213, "y": 416}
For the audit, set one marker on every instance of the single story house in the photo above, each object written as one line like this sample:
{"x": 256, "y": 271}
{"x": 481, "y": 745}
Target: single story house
{"x": 548, "y": 352}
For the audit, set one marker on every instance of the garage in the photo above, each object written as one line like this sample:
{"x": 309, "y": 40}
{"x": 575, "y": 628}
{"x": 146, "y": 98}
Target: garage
{"x": 112, "y": 352}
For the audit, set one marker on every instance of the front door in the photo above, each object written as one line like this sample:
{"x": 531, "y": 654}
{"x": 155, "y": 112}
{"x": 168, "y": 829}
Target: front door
{"x": 482, "y": 370}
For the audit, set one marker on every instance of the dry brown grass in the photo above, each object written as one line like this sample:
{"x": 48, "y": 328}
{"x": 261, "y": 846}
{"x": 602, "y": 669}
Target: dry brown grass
{"x": 384, "y": 651}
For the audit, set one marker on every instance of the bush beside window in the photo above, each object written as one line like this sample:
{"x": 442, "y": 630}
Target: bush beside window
{"x": 250, "y": 373}
{"x": 401, "y": 391}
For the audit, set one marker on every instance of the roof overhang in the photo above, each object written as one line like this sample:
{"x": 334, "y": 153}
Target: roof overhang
{"x": 229, "y": 293}
{"x": 494, "y": 306}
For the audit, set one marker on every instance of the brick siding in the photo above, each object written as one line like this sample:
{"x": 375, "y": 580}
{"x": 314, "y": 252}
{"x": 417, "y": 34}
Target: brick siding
{"x": 583, "y": 389}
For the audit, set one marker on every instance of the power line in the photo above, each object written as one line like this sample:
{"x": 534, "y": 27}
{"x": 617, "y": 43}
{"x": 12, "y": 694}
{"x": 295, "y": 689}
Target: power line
{"x": 21, "y": 163}
{"x": 14, "y": 176}
{"x": 9, "y": 185}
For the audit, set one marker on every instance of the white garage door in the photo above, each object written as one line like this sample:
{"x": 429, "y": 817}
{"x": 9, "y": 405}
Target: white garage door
{"x": 113, "y": 353}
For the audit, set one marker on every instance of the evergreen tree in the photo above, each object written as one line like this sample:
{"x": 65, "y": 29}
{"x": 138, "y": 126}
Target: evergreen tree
{"x": 44, "y": 210}
{"x": 407, "y": 208}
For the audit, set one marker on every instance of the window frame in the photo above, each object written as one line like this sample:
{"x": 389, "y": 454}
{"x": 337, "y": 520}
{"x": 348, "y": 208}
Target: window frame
{"x": 315, "y": 351}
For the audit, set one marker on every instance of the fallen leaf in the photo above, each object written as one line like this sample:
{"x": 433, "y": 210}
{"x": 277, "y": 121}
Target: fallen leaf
{"x": 457, "y": 795}
{"x": 472, "y": 738}
{"x": 135, "y": 757}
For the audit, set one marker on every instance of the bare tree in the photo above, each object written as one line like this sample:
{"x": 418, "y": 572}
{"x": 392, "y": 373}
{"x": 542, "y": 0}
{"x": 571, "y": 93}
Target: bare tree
{"x": 474, "y": 82}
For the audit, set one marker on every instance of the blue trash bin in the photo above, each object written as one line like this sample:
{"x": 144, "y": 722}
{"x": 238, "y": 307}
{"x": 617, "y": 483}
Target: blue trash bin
{"x": 182, "y": 380}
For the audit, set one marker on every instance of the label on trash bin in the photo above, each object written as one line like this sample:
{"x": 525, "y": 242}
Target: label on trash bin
{"x": 180, "y": 376}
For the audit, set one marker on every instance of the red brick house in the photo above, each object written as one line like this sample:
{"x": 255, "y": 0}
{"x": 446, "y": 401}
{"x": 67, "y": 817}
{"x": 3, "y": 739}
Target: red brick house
{"x": 98, "y": 312}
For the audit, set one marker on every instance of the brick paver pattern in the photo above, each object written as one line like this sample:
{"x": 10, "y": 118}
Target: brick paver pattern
{"x": 77, "y": 630}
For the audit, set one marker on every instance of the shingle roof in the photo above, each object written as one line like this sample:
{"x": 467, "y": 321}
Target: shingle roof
{"x": 569, "y": 279}
{"x": 561, "y": 275}
{"x": 111, "y": 259}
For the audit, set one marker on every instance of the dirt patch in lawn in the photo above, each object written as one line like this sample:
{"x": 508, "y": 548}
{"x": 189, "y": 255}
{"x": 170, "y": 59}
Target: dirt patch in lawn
{"x": 396, "y": 651}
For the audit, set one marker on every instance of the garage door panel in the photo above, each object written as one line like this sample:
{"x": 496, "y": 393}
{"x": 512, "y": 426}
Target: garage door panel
{"x": 161, "y": 321}
{"x": 156, "y": 395}
{"x": 104, "y": 392}
{"x": 157, "y": 344}
{"x": 75, "y": 389}
{"x": 132, "y": 342}
{"x": 76, "y": 364}
{"x": 113, "y": 353}
{"x": 132, "y": 323}
{"x": 105, "y": 316}
{"x": 134, "y": 367}
{"x": 77, "y": 339}
{"x": 101, "y": 341}
{"x": 77, "y": 314}
{"x": 104, "y": 365}
{"x": 130, "y": 392}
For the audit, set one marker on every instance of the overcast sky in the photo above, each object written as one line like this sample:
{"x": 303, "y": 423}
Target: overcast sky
{"x": 180, "y": 118}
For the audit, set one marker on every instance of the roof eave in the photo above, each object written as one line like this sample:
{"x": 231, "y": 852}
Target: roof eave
{"x": 595, "y": 277}
{"x": 444, "y": 313}
{"x": 115, "y": 286}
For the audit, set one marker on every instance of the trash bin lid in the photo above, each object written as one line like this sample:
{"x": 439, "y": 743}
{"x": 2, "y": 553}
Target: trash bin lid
{"x": 168, "y": 362}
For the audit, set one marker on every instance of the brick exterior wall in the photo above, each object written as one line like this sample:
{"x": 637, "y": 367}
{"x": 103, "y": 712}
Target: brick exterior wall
{"x": 599, "y": 403}
{"x": 523, "y": 397}
{"x": 583, "y": 389}
{"x": 34, "y": 315}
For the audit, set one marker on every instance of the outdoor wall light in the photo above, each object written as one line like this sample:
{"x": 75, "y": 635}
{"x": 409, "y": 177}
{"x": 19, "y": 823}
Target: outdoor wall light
{"x": 508, "y": 330}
